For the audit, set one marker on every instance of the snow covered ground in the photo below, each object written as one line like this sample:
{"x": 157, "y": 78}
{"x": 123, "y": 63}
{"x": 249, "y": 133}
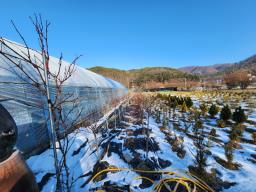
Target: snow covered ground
{"x": 118, "y": 150}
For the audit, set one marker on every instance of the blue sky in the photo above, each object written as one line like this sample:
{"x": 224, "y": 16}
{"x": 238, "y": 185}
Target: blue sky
{"x": 138, "y": 33}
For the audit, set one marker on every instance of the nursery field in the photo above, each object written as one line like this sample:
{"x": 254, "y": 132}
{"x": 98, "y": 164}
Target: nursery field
{"x": 178, "y": 141}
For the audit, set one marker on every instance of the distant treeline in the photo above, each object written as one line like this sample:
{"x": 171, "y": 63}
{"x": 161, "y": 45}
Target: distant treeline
{"x": 138, "y": 77}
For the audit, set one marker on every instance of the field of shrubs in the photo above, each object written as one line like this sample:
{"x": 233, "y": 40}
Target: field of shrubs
{"x": 215, "y": 129}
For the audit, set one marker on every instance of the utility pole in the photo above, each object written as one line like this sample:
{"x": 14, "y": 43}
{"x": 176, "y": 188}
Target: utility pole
{"x": 52, "y": 130}
{"x": 128, "y": 83}
{"x": 185, "y": 83}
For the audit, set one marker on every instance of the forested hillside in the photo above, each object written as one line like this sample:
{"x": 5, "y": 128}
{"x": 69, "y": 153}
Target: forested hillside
{"x": 149, "y": 75}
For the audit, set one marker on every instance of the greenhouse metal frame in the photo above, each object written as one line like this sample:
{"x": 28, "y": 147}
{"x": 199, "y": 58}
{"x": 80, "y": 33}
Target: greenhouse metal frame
{"x": 28, "y": 107}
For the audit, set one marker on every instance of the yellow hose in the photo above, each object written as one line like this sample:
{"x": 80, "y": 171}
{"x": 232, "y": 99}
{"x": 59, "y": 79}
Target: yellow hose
{"x": 166, "y": 180}
{"x": 146, "y": 178}
{"x": 179, "y": 179}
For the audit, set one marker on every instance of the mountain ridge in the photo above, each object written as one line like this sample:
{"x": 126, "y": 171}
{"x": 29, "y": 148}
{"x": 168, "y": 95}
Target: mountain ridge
{"x": 248, "y": 64}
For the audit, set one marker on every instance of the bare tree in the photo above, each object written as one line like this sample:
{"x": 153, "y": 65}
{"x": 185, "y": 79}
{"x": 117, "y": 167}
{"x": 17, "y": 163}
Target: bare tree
{"x": 239, "y": 78}
{"x": 30, "y": 66}
{"x": 147, "y": 105}
{"x": 94, "y": 127}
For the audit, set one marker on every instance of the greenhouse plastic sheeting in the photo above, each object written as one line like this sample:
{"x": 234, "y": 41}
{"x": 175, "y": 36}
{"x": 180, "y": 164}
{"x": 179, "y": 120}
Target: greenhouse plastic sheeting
{"x": 28, "y": 106}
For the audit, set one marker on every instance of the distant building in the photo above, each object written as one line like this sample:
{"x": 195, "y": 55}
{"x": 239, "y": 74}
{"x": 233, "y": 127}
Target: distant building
{"x": 156, "y": 89}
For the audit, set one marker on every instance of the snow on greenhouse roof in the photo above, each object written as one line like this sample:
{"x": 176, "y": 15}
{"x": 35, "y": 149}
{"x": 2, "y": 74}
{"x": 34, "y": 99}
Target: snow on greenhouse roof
{"x": 81, "y": 76}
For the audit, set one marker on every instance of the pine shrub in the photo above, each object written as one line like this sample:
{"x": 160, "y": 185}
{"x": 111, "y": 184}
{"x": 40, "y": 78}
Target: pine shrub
{"x": 184, "y": 107}
{"x": 204, "y": 108}
{"x": 239, "y": 116}
{"x": 213, "y": 110}
{"x": 225, "y": 113}
{"x": 236, "y": 132}
{"x": 221, "y": 123}
{"x": 234, "y": 136}
{"x": 189, "y": 102}
{"x": 213, "y": 132}
{"x": 229, "y": 151}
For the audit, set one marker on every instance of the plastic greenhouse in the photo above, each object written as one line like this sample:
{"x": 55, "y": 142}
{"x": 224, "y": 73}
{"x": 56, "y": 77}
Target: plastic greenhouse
{"x": 28, "y": 106}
